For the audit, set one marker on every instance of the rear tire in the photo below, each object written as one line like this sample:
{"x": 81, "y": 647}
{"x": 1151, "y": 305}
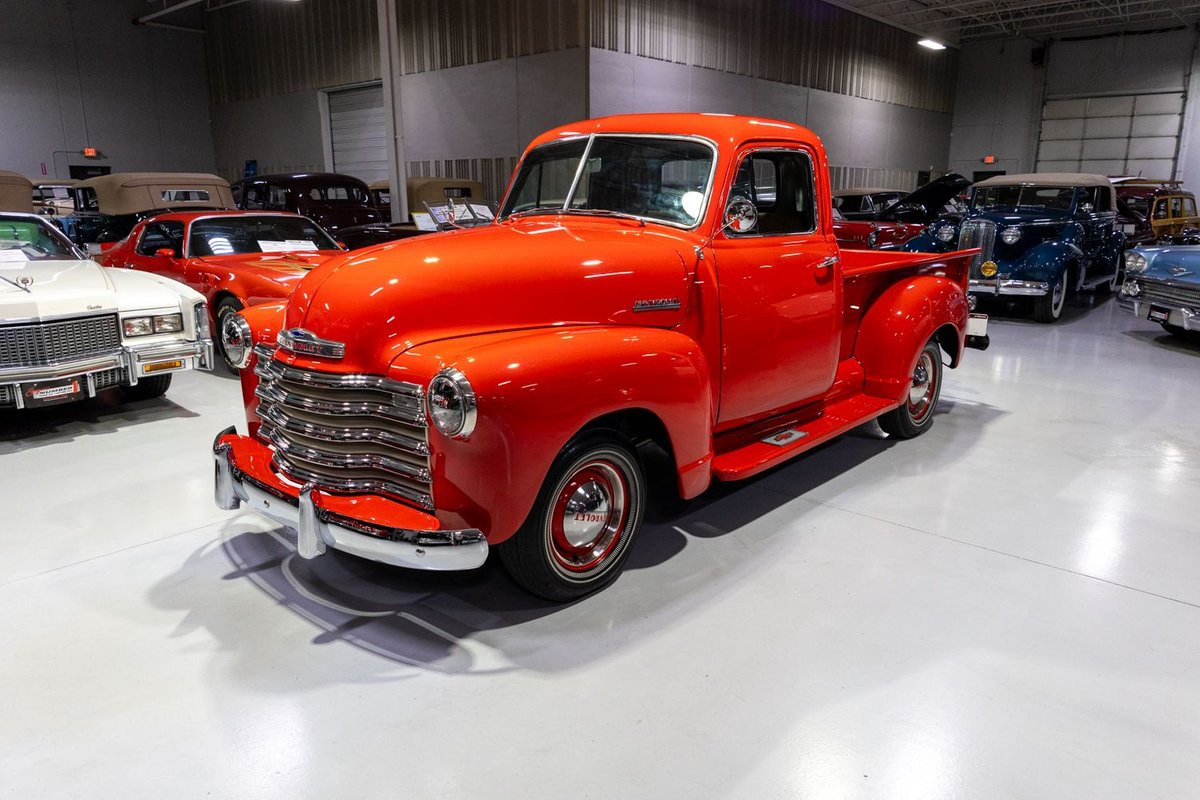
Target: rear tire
{"x": 1049, "y": 307}
{"x": 227, "y": 306}
{"x": 147, "y": 388}
{"x": 583, "y": 522}
{"x": 915, "y": 415}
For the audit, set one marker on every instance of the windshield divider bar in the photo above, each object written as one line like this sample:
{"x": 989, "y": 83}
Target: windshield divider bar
{"x": 578, "y": 173}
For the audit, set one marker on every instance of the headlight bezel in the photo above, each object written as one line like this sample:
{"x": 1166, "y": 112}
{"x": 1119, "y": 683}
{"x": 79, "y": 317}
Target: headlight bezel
{"x": 237, "y": 340}
{"x": 944, "y": 232}
{"x": 135, "y": 326}
{"x": 456, "y": 416}
{"x": 1011, "y": 234}
{"x": 1136, "y": 263}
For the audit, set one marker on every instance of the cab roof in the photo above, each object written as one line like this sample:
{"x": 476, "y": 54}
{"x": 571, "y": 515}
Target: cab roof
{"x": 720, "y": 128}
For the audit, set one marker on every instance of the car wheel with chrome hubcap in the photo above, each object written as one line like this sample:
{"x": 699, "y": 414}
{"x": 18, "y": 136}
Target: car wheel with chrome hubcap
{"x": 225, "y": 309}
{"x": 1049, "y": 307}
{"x": 584, "y": 521}
{"x": 914, "y": 416}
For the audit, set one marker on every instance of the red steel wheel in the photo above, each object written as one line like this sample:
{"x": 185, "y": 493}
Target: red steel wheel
{"x": 915, "y": 414}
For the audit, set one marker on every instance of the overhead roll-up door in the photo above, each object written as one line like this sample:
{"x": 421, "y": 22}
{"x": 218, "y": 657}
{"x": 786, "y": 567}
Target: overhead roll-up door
{"x": 1134, "y": 134}
{"x": 358, "y": 132}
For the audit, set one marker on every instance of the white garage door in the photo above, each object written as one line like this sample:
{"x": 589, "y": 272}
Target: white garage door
{"x": 1121, "y": 135}
{"x": 358, "y": 132}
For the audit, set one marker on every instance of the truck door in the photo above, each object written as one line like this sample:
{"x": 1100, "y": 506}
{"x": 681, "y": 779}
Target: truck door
{"x": 780, "y": 287}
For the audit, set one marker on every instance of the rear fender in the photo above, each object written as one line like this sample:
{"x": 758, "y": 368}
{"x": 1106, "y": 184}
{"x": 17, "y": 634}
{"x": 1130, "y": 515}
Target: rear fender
{"x": 536, "y": 389}
{"x": 899, "y": 323}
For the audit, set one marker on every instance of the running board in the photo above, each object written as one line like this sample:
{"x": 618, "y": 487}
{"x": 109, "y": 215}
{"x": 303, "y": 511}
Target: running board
{"x": 765, "y": 445}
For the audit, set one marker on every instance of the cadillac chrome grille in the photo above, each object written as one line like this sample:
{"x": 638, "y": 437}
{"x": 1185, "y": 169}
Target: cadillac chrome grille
{"x": 345, "y": 433}
{"x": 979, "y": 233}
{"x": 7, "y": 397}
{"x": 1171, "y": 295}
{"x": 41, "y": 344}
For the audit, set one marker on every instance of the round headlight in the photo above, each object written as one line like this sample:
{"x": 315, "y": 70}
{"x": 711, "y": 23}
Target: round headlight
{"x": 872, "y": 239}
{"x": 945, "y": 233}
{"x": 1011, "y": 235}
{"x": 1135, "y": 262}
{"x": 451, "y": 402}
{"x": 237, "y": 339}
{"x": 1131, "y": 289}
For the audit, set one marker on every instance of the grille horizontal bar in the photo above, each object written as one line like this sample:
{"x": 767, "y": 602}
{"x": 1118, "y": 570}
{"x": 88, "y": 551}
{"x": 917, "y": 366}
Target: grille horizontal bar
{"x": 1171, "y": 295}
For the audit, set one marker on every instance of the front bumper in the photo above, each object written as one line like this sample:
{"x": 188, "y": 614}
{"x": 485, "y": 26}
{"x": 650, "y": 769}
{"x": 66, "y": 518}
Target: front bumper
{"x": 1180, "y": 316}
{"x": 1009, "y": 286}
{"x": 367, "y": 526}
{"x": 135, "y": 362}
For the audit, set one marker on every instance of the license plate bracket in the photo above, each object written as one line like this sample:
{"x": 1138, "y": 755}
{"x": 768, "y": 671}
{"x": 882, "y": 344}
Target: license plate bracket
{"x": 1158, "y": 314}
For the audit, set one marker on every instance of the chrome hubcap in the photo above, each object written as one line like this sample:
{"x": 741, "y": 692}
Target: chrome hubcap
{"x": 586, "y": 514}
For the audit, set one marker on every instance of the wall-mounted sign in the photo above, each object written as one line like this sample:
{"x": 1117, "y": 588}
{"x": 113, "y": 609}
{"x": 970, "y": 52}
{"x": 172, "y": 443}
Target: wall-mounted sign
{"x": 91, "y": 152}
{"x": 250, "y": 169}
{"x": 989, "y": 159}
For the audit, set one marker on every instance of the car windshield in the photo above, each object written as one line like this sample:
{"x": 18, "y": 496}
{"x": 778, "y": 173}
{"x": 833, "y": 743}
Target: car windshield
{"x": 233, "y": 235}
{"x": 25, "y": 239}
{"x": 1055, "y": 198}
{"x": 660, "y": 179}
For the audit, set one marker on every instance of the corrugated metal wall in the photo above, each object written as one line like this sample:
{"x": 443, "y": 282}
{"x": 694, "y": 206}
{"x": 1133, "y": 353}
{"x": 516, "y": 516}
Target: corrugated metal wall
{"x": 261, "y": 49}
{"x": 803, "y": 42}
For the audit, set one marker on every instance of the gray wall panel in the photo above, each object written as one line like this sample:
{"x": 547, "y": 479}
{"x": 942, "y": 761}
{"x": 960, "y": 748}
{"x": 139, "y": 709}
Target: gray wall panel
{"x": 281, "y": 132}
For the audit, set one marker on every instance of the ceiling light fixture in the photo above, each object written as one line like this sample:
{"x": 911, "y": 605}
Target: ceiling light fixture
{"x": 932, "y": 44}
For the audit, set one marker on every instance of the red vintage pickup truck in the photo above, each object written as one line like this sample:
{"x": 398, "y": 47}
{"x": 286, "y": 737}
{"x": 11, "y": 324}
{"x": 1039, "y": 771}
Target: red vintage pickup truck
{"x": 664, "y": 283}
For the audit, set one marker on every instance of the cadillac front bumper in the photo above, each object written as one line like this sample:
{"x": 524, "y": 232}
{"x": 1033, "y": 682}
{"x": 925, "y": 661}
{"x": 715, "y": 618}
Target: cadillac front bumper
{"x": 1009, "y": 286}
{"x": 367, "y": 526}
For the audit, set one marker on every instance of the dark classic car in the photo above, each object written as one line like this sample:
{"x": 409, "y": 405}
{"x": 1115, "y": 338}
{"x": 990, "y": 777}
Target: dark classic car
{"x": 903, "y": 218}
{"x": 1149, "y": 210}
{"x": 1041, "y": 236}
{"x": 108, "y": 206}
{"x": 1162, "y": 284}
{"x": 332, "y": 200}
{"x": 864, "y": 203}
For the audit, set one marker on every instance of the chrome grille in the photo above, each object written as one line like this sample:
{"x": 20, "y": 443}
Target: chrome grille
{"x": 108, "y": 378}
{"x": 1171, "y": 295}
{"x": 7, "y": 396}
{"x": 345, "y": 433}
{"x": 979, "y": 233}
{"x": 41, "y": 344}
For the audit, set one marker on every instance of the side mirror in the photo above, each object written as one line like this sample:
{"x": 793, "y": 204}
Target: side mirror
{"x": 1087, "y": 208}
{"x": 740, "y": 215}
{"x": 164, "y": 252}
{"x": 342, "y": 244}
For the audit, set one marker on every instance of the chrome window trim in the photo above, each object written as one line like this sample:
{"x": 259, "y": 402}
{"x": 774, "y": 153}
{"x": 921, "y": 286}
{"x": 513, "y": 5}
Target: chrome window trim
{"x": 812, "y": 171}
{"x": 682, "y": 137}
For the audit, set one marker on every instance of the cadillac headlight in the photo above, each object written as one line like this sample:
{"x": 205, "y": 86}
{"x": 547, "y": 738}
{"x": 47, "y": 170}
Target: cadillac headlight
{"x": 1011, "y": 235}
{"x": 138, "y": 326}
{"x": 945, "y": 233}
{"x": 237, "y": 339}
{"x": 1135, "y": 262}
{"x": 168, "y": 323}
{"x": 451, "y": 402}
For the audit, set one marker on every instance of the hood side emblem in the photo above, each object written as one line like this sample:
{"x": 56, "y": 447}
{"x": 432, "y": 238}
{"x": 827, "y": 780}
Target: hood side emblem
{"x": 307, "y": 343}
{"x": 1179, "y": 272}
{"x": 657, "y": 304}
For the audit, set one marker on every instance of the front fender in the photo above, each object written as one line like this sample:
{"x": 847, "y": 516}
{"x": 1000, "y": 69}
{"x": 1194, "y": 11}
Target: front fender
{"x": 1045, "y": 262}
{"x": 537, "y": 389}
{"x": 899, "y": 323}
{"x": 928, "y": 243}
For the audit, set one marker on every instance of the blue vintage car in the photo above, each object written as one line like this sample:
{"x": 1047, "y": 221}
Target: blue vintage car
{"x": 1162, "y": 284}
{"x": 1041, "y": 236}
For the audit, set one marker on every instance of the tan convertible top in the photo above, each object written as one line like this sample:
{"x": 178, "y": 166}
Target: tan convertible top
{"x": 16, "y": 192}
{"x": 1064, "y": 179}
{"x": 130, "y": 192}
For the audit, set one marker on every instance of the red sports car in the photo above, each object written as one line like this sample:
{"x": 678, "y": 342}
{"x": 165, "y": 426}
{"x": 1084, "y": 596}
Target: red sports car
{"x": 234, "y": 258}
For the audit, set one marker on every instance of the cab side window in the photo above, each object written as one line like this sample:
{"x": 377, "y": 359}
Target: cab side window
{"x": 256, "y": 197}
{"x": 276, "y": 198}
{"x": 780, "y": 184}
{"x": 158, "y": 235}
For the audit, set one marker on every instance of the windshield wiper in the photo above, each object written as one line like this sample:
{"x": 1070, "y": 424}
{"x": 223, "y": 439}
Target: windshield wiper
{"x": 604, "y": 212}
{"x": 24, "y": 289}
{"x": 533, "y": 212}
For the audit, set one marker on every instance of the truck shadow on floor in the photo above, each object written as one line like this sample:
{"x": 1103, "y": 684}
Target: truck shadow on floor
{"x": 481, "y": 621}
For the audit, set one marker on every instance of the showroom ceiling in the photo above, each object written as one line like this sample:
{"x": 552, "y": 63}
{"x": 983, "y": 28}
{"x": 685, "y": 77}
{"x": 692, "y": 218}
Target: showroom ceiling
{"x": 961, "y": 21}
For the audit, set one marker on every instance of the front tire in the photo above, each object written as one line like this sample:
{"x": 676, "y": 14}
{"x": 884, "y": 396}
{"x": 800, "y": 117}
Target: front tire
{"x": 584, "y": 521}
{"x": 227, "y": 307}
{"x": 147, "y": 388}
{"x": 915, "y": 415}
{"x": 1049, "y": 307}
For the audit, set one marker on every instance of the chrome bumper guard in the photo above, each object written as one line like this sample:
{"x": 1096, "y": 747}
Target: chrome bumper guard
{"x": 317, "y": 529}
{"x": 1183, "y": 316}
{"x": 1009, "y": 286}
{"x": 196, "y": 354}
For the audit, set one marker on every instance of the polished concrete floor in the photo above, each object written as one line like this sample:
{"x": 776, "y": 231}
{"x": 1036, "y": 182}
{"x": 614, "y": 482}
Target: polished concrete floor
{"x": 1007, "y": 607}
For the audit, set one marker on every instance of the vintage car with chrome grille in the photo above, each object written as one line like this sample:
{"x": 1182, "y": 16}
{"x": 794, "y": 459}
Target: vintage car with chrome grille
{"x": 1162, "y": 284}
{"x": 661, "y": 301}
{"x": 234, "y": 258}
{"x": 1042, "y": 236}
{"x": 70, "y": 328}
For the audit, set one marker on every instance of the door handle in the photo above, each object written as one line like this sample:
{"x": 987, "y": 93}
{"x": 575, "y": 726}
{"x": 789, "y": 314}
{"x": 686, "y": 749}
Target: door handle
{"x": 827, "y": 264}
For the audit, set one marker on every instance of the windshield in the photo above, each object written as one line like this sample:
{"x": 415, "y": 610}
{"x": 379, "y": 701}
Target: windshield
{"x": 24, "y": 239}
{"x": 226, "y": 236}
{"x": 1054, "y": 198}
{"x": 666, "y": 180}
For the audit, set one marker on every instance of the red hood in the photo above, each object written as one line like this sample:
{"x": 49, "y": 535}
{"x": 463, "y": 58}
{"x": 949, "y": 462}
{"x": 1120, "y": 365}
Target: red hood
{"x": 382, "y": 300}
{"x": 270, "y": 263}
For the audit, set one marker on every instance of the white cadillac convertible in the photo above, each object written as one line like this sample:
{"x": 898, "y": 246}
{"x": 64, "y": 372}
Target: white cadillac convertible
{"x": 70, "y": 328}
